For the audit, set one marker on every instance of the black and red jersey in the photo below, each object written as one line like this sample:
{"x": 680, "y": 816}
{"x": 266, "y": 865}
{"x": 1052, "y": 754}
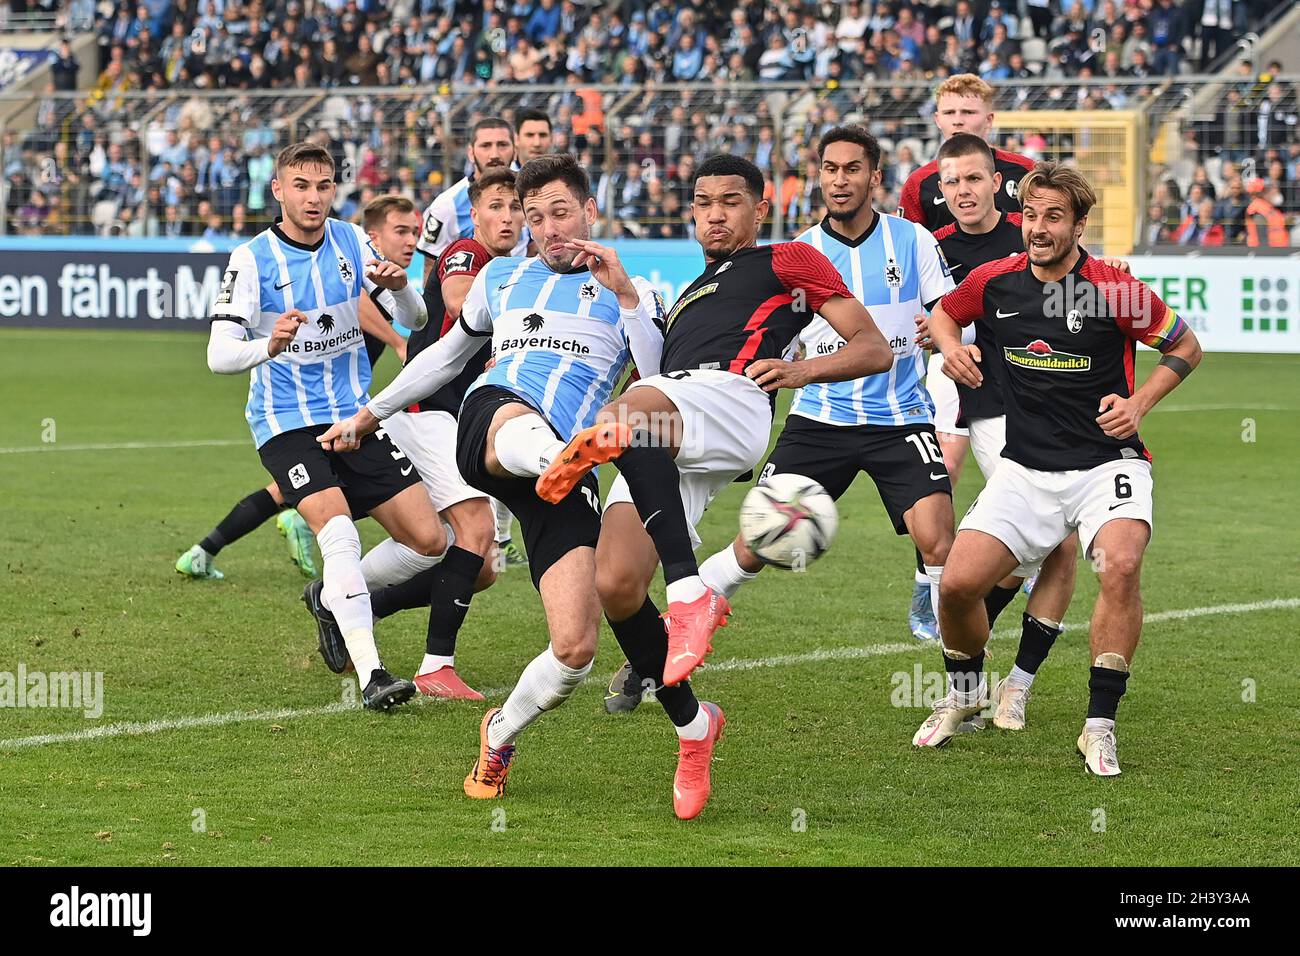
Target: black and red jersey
{"x": 922, "y": 201}
{"x": 1064, "y": 346}
{"x": 964, "y": 251}
{"x": 749, "y": 306}
{"x": 463, "y": 257}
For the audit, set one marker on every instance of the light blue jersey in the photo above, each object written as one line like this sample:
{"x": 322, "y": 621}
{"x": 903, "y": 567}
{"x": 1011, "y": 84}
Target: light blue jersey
{"x": 560, "y": 340}
{"x": 894, "y": 270}
{"x": 324, "y": 374}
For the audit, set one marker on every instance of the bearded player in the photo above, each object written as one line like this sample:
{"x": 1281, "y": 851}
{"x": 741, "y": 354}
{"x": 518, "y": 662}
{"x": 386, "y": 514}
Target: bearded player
{"x": 1066, "y": 328}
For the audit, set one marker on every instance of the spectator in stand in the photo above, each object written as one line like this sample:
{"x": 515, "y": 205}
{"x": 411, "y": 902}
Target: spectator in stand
{"x": 1201, "y": 229}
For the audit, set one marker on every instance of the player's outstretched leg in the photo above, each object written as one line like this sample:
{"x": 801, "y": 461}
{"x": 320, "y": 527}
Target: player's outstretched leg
{"x": 1040, "y": 627}
{"x": 626, "y": 562}
{"x": 644, "y": 457}
{"x": 723, "y": 572}
{"x": 248, "y": 514}
{"x": 572, "y": 616}
{"x": 1116, "y": 626}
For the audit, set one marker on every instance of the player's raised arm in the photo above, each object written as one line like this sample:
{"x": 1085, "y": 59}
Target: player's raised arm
{"x": 817, "y": 287}
{"x": 388, "y": 285}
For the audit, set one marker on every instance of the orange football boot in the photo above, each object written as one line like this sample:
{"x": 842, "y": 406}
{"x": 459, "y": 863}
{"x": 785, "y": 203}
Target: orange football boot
{"x": 592, "y": 446}
{"x": 488, "y": 778}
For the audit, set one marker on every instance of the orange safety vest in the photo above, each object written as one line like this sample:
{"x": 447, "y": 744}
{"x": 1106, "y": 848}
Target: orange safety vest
{"x": 1275, "y": 224}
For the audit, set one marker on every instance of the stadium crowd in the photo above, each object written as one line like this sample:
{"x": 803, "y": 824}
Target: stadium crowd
{"x": 109, "y": 162}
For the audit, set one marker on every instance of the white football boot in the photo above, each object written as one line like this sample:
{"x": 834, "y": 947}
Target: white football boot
{"x": 1010, "y": 700}
{"x": 945, "y": 722}
{"x": 1098, "y": 749}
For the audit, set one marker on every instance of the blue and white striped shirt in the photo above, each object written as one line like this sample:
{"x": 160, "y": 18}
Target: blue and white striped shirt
{"x": 323, "y": 375}
{"x": 894, "y": 270}
{"x": 559, "y": 340}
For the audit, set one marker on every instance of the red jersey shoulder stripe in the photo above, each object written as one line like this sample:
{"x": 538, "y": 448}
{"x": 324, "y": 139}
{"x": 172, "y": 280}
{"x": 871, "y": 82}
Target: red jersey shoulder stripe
{"x": 943, "y": 232}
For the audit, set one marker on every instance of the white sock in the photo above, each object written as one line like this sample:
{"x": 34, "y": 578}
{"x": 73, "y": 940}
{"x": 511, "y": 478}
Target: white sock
{"x": 933, "y": 572}
{"x": 697, "y": 729}
{"x": 526, "y": 446}
{"x": 723, "y": 573}
{"x": 921, "y": 578}
{"x": 1020, "y": 678}
{"x": 1099, "y": 725}
{"x": 345, "y": 595}
{"x": 391, "y": 562}
{"x": 545, "y": 684}
{"x": 686, "y": 590}
{"x": 503, "y": 520}
{"x": 433, "y": 662}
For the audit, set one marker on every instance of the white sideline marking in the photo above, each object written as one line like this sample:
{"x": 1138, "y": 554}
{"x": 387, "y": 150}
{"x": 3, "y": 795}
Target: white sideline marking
{"x": 124, "y": 445}
{"x": 137, "y": 729}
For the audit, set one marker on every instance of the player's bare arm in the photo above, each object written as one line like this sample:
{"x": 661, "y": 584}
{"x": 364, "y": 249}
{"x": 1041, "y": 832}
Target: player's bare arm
{"x": 960, "y": 362}
{"x": 1121, "y": 416}
{"x": 865, "y": 351}
{"x": 374, "y": 324}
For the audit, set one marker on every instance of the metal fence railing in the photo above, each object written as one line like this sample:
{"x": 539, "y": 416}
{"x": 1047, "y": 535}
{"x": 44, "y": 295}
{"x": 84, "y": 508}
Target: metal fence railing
{"x": 117, "y": 161}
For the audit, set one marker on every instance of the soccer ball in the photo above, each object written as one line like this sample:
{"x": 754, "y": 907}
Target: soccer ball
{"x": 788, "y": 520}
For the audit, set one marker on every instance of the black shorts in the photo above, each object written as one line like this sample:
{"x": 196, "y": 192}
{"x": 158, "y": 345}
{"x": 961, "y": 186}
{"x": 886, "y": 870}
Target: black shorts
{"x": 550, "y": 531}
{"x": 905, "y": 464}
{"x": 369, "y": 476}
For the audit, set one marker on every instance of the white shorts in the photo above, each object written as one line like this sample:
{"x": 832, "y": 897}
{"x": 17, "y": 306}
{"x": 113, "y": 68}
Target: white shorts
{"x": 988, "y": 436}
{"x": 726, "y": 427}
{"x": 1031, "y": 511}
{"x": 429, "y": 440}
{"x": 944, "y": 395}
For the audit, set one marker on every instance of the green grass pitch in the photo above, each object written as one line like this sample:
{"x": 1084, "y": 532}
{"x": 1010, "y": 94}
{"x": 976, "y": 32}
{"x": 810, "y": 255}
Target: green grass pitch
{"x": 816, "y": 767}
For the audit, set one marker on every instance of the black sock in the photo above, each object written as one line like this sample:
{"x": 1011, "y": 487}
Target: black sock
{"x": 964, "y": 676}
{"x": 655, "y": 483}
{"x": 645, "y": 643}
{"x": 996, "y": 600}
{"x": 920, "y": 564}
{"x": 403, "y": 596}
{"x": 453, "y": 588}
{"x": 243, "y": 518}
{"x": 1036, "y": 640}
{"x": 1105, "y": 688}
